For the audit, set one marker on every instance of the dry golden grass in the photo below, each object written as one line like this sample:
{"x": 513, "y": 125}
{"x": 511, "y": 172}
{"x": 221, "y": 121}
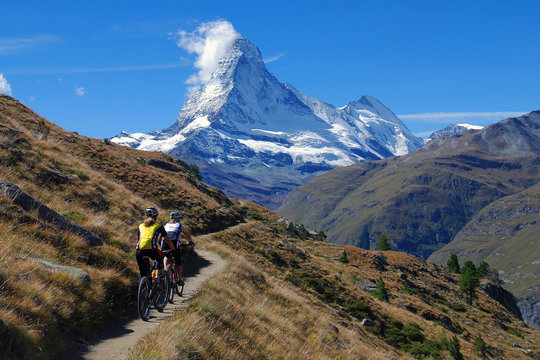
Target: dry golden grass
{"x": 103, "y": 187}
{"x": 258, "y": 310}
{"x": 245, "y": 313}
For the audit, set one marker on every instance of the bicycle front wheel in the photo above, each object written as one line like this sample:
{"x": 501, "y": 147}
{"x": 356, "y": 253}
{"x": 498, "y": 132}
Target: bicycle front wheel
{"x": 180, "y": 287}
{"x": 143, "y": 298}
{"x": 162, "y": 293}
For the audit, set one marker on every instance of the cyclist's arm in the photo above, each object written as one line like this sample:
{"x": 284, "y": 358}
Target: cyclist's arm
{"x": 187, "y": 235}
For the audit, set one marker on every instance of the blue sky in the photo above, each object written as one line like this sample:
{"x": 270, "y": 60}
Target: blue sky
{"x": 99, "y": 67}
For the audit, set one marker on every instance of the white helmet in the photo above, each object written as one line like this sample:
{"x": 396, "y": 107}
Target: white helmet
{"x": 175, "y": 215}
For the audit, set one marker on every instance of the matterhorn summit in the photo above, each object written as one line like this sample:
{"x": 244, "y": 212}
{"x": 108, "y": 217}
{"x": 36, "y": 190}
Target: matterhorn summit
{"x": 257, "y": 138}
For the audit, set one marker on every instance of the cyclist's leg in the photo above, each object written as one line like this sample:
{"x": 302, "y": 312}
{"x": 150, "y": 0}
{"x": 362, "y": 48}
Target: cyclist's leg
{"x": 143, "y": 264}
{"x": 178, "y": 260}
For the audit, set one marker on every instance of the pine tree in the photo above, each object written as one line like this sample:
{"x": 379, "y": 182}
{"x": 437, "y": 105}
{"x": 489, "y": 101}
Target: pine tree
{"x": 381, "y": 292}
{"x": 384, "y": 244}
{"x": 344, "y": 258}
{"x": 453, "y": 264}
{"x": 483, "y": 269}
{"x": 469, "y": 281}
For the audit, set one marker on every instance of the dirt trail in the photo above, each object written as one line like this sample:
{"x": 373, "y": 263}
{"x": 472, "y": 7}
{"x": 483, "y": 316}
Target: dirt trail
{"x": 120, "y": 339}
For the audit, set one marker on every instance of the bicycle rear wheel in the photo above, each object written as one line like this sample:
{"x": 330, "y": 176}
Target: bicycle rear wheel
{"x": 143, "y": 298}
{"x": 171, "y": 276}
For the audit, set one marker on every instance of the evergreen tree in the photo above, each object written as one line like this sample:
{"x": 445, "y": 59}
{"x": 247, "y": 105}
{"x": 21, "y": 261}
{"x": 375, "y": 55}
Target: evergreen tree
{"x": 381, "y": 292}
{"x": 453, "y": 264}
{"x": 195, "y": 172}
{"x": 469, "y": 281}
{"x": 344, "y": 258}
{"x": 483, "y": 269}
{"x": 480, "y": 346}
{"x": 384, "y": 244}
{"x": 455, "y": 349}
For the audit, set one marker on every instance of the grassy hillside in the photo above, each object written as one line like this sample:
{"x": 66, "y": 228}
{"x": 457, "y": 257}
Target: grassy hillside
{"x": 101, "y": 186}
{"x": 277, "y": 302}
{"x": 421, "y": 200}
{"x": 505, "y": 235}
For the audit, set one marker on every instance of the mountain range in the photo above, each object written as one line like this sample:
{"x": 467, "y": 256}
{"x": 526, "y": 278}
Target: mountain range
{"x": 257, "y": 138}
{"x": 422, "y": 200}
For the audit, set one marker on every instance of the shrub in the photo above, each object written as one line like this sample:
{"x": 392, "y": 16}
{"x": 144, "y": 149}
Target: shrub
{"x": 455, "y": 349}
{"x": 480, "y": 346}
{"x": 381, "y": 292}
{"x": 358, "y": 309}
{"x": 195, "y": 172}
{"x": 344, "y": 259}
{"x": 458, "y": 307}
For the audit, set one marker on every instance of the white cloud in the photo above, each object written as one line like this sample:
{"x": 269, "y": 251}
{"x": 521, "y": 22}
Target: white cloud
{"x": 11, "y": 45}
{"x": 79, "y": 90}
{"x": 274, "y": 58}
{"x": 5, "y": 88}
{"x": 460, "y": 117}
{"x": 211, "y": 41}
{"x": 97, "y": 69}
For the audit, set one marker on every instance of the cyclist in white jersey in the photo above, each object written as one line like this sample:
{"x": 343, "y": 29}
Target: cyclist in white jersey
{"x": 174, "y": 230}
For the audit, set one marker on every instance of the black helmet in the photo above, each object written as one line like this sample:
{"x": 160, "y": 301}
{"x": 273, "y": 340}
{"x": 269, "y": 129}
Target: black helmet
{"x": 175, "y": 215}
{"x": 151, "y": 212}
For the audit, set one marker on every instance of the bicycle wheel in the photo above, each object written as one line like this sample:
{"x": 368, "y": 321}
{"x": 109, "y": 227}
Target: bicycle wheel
{"x": 171, "y": 276}
{"x": 143, "y": 298}
{"x": 162, "y": 293}
{"x": 180, "y": 287}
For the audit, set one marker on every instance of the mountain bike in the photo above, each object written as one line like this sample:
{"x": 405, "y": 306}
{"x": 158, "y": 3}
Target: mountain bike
{"x": 175, "y": 286}
{"x": 153, "y": 289}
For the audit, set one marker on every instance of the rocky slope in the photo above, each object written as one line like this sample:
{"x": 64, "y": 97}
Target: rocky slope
{"x": 505, "y": 235}
{"x": 423, "y": 199}
{"x": 265, "y": 137}
{"x": 453, "y": 129}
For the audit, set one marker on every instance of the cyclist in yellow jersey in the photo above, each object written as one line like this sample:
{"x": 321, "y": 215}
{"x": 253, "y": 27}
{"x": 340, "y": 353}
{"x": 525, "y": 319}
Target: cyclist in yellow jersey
{"x": 150, "y": 232}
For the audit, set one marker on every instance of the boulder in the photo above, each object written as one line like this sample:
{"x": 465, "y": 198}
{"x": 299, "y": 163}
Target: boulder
{"x": 73, "y": 272}
{"x": 503, "y": 296}
{"x": 28, "y": 203}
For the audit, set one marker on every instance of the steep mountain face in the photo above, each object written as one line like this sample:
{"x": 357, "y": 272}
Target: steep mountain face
{"x": 421, "y": 200}
{"x": 267, "y": 137}
{"x": 453, "y": 129}
{"x": 505, "y": 235}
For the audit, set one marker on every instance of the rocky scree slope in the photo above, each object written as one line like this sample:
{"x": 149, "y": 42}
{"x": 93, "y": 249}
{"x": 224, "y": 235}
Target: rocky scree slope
{"x": 54, "y": 284}
{"x": 257, "y": 138}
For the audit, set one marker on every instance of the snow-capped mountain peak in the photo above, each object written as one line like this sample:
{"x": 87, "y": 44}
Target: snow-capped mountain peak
{"x": 244, "y": 119}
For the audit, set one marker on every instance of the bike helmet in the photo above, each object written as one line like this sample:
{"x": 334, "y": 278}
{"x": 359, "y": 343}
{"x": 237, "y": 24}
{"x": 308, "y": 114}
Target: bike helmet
{"x": 175, "y": 215}
{"x": 151, "y": 212}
